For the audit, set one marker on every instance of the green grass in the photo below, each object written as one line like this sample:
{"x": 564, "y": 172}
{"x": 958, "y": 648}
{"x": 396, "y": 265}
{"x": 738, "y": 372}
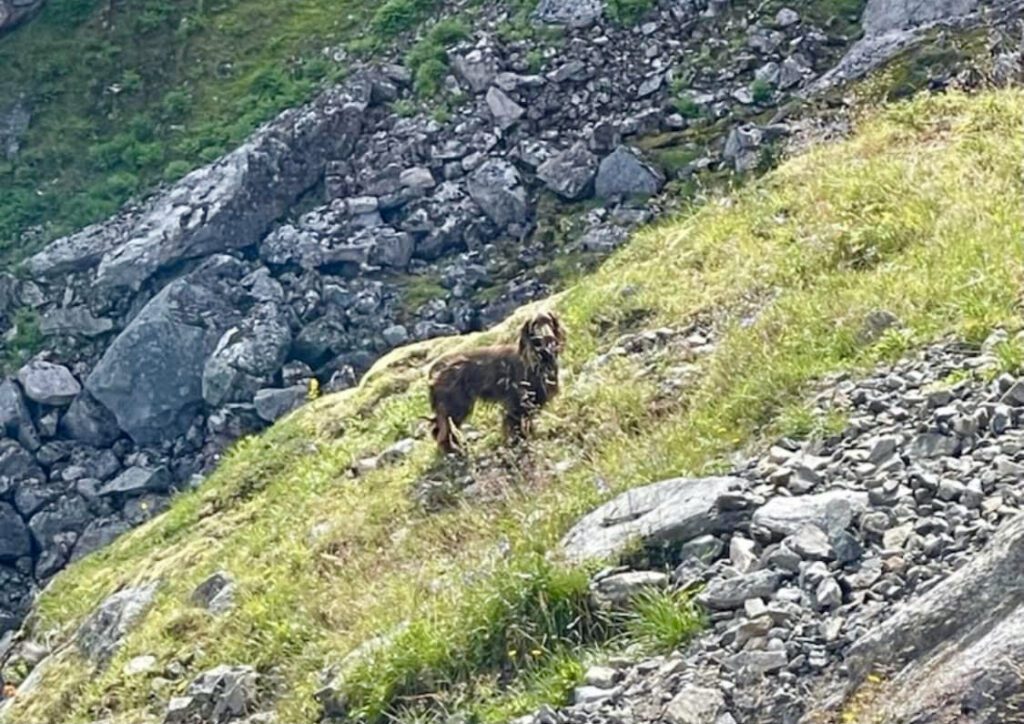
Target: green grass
{"x": 662, "y": 621}
{"x": 627, "y": 12}
{"x": 125, "y": 96}
{"x": 917, "y": 214}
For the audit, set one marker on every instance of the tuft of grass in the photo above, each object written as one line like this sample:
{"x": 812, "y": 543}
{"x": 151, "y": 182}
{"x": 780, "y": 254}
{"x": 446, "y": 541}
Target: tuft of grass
{"x": 25, "y": 339}
{"x": 428, "y": 58}
{"x": 627, "y": 12}
{"x": 800, "y": 421}
{"x": 917, "y": 213}
{"x": 761, "y": 91}
{"x": 662, "y": 621}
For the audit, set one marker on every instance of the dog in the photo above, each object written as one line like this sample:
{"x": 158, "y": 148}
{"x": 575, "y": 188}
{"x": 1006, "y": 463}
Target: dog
{"x": 521, "y": 377}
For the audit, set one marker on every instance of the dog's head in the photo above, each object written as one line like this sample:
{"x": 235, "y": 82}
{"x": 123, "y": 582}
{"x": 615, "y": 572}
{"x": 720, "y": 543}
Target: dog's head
{"x": 542, "y": 339}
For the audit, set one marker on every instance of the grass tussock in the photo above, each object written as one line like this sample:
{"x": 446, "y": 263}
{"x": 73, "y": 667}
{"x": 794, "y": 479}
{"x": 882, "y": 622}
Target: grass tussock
{"x": 918, "y": 215}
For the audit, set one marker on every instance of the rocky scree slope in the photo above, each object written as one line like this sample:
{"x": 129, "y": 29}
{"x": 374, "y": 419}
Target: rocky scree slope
{"x": 252, "y": 593}
{"x": 203, "y": 313}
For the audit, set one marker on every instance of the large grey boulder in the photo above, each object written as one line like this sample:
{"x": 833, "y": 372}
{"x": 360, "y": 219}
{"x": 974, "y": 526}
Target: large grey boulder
{"x": 504, "y": 110}
{"x": 574, "y": 13}
{"x": 48, "y": 383}
{"x": 100, "y": 635}
{"x": 831, "y": 511}
{"x": 669, "y": 512}
{"x": 226, "y": 205}
{"x": 959, "y": 648}
{"x": 570, "y": 174}
{"x": 273, "y": 404}
{"x": 15, "y": 541}
{"x": 497, "y": 189}
{"x": 151, "y": 376}
{"x": 625, "y": 173}
{"x": 138, "y": 481}
{"x": 75, "y": 321}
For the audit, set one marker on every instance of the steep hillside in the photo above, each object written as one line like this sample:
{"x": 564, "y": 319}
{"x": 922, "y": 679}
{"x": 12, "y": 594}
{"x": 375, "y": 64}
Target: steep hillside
{"x": 340, "y": 524}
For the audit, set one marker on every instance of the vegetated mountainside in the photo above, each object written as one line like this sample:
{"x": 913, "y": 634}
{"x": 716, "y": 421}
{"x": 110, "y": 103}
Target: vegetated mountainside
{"x": 340, "y": 524}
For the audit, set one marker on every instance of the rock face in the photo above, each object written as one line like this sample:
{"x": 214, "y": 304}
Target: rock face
{"x": 226, "y": 205}
{"x": 889, "y": 27}
{"x": 100, "y": 635}
{"x": 672, "y": 511}
{"x": 570, "y": 174}
{"x": 151, "y": 376}
{"x": 962, "y": 641}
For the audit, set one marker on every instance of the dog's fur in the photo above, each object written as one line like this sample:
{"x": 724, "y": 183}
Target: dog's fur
{"x": 522, "y": 378}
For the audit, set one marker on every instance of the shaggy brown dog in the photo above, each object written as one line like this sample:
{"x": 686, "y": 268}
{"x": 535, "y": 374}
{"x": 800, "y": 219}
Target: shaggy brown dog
{"x": 522, "y": 378}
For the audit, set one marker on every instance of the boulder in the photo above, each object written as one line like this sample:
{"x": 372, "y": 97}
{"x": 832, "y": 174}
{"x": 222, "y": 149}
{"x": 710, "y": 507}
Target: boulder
{"x": 48, "y": 383}
{"x": 100, "y": 533}
{"x": 624, "y": 173}
{"x": 831, "y": 511}
{"x": 695, "y": 705}
{"x": 227, "y": 205}
{"x": 75, "y": 321}
{"x": 15, "y": 599}
{"x": 247, "y": 355}
{"x": 216, "y": 696}
{"x": 151, "y": 376}
{"x": 272, "y": 404}
{"x": 498, "y": 191}
{"x": 669, "y": 512}
{"x": 55, "y": 529}
{"x": 504, "y": 110}
{"x": 15, "y": 541}
{"x": 477, "y": 69}
{"x": 138, "y": 480}
{"x": 570, "y": 174}
{"x": 15, "y": 419}
{"x": 100, "y": 635}
{"x": 574, "y": 13}
{"x": 90, "y": 422}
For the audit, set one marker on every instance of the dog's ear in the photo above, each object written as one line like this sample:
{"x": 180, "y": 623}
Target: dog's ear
{"x": 526, "y": 340}
{"x": 558, "y": 329}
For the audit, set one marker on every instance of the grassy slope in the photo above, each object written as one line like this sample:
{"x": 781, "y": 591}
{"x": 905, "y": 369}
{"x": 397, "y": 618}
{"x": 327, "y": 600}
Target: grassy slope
{"x": 918, "y": 214}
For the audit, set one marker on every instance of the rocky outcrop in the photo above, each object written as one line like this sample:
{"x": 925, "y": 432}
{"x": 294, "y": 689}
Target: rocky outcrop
{"x": 227, "y": 205}
{"x": 672, "y": 511}
{"x": 891, "y": 26}
{"x": 101, "y": 634}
